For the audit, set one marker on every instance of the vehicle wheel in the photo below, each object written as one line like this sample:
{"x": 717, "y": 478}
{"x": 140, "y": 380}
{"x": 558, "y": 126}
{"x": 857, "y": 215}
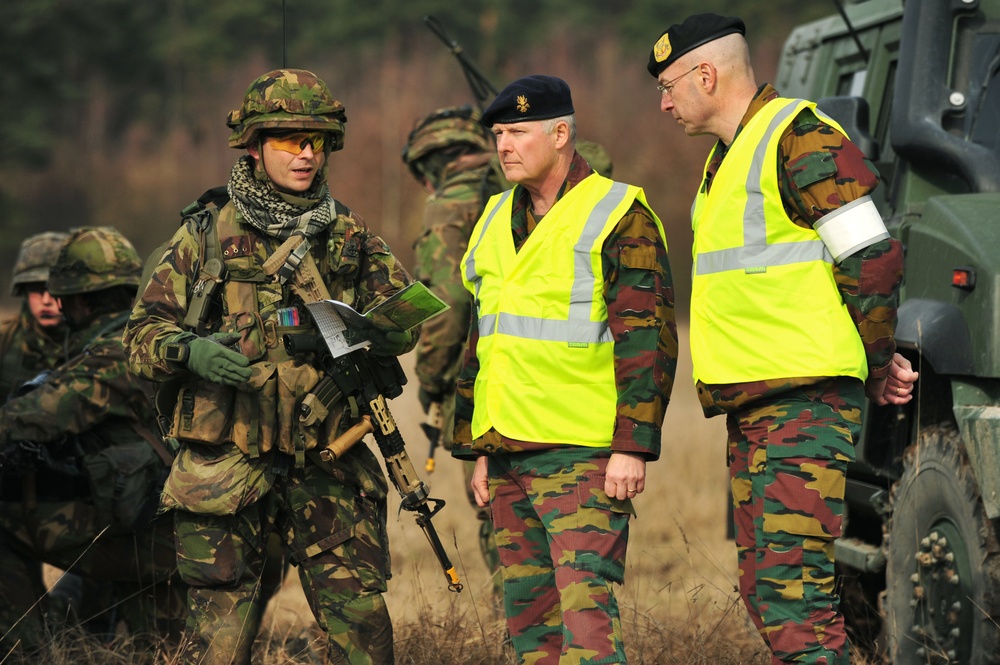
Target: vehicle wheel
{"x": 943, "y": 560}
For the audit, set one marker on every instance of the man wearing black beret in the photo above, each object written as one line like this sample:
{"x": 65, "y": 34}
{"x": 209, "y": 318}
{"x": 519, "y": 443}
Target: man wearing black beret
{"x": 793, "y": 310}
{"x": 567, "y": 375}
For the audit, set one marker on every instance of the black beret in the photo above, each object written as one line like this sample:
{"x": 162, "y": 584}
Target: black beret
{"x": 696, "y": 30}
{"x": 530, "y": 98}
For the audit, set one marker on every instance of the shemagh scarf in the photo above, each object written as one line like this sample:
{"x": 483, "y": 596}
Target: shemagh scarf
{"x": 276, "y": 214}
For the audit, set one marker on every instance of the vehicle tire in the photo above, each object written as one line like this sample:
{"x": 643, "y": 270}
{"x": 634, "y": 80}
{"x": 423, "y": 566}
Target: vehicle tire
{"x": 943, "y": 560}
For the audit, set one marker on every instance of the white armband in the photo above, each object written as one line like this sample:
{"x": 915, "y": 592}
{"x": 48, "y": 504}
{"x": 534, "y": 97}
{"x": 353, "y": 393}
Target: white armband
{"x": 851, "y": 227}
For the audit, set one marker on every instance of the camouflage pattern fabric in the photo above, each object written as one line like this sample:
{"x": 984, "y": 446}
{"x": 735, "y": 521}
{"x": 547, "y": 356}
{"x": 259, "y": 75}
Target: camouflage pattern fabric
{"x": 324, "y": 512}
{"x": 819, "y": 171}
{"x": 36, "y": 256}
{"x": 336, "y": 534}
{"x": 95, "y": 258}
{"x": 50, "y": 518}
{"x": 287, "y": 98}
{"x": 449, "y": 151}
{"x": 562, "y": 544}
{"x": 788, "y": 461}
{"x": 140, "y": 567}
{"x": 449, "y": 217}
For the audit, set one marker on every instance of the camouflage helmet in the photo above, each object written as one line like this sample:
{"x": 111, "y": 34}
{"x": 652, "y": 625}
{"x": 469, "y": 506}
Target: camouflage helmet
{"x": 445, "y": 127}
{"x": 287, "y": 99}
{"x": 597, "y": 156}
{"x": 37, "y": 254}
{"x": 94, "y": 258}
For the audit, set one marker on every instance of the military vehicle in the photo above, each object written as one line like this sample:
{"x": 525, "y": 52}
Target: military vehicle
{"x": 917, "y": 85}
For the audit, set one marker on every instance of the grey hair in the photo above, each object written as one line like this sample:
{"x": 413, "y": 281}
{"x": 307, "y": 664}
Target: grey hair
{"x": 549, "y": 126}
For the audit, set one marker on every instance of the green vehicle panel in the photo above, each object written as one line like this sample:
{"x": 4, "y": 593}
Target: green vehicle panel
{"x": 917, "y": 86}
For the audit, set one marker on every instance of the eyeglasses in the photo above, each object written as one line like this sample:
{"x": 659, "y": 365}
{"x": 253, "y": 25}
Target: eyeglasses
{"x": 668, "y": 87}
{"x": 296, "y": 141}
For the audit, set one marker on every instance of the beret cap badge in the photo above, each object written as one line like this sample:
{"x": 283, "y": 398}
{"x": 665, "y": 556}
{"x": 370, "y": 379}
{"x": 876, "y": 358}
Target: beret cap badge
{"x": 549, "y": 98}
{"x": 661, "y": 50}
{"x": 694, "y": 31}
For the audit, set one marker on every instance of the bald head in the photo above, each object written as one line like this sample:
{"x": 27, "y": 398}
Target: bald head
{"x": 718, "y": 91}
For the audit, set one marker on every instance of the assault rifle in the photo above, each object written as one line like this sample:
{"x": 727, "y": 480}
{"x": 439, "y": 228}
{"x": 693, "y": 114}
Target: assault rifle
{"x": 366, "y": 381}
{"x": 477, "y": 81}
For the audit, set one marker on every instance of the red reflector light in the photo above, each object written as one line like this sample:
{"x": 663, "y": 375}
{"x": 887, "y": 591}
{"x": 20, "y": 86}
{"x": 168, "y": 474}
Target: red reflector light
{"x": 963, "y": 278}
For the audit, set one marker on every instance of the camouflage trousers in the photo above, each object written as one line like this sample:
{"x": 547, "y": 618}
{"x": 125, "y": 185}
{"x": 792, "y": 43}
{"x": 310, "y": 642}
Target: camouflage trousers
{"x": 136, "y": 571}
{"x": 334, "y": 532}
{"x": 788, "y": 461}
{"x": 562, "y": 544}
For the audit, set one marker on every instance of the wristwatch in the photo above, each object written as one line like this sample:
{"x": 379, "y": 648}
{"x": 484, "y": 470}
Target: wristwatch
{"x": 176, "y": 353}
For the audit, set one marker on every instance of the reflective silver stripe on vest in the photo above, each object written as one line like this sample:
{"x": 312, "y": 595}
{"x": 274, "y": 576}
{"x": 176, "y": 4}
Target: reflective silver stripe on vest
{"x": 470, "y": 265}
{"x": 554, "y": 330}
{"x": 578, "y": 328}
{"x": 756, "y": 254}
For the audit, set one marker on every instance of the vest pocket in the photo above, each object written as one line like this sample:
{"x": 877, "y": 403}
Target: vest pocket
{"x": 254, "y": 429}
{"x": 203, "y": 413}
{"x": 253, "y": 341}
{"x": 295, "y": 380}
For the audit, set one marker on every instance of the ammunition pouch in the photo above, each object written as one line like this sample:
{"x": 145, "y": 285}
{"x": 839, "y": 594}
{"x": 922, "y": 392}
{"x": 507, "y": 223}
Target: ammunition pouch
{"x": 125, "y": 481}
{"x": 285, "y": 405}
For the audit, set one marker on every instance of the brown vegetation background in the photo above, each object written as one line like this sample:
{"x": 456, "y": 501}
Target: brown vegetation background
{"x": 138, "y": 177}
{"x": 679, "y": 603}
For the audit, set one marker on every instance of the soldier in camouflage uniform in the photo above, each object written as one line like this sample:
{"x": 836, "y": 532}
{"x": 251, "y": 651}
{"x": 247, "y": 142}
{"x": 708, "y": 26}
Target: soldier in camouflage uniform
{"x": 449, "y": 154}
{"x": 32, "y": 342}
{"x": 82, "y": 470}
{"x": 248, "y": 463}
{"x": 567, "y": 375}
{"x": 790, "y": 332}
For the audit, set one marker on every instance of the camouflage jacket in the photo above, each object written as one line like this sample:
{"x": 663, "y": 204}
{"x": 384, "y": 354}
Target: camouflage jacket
{"x": 449, "y": 217}
{"x": 641, "y": 317}
{"x": 357, "y": 267}
{"x": 26, "y": 349}
{"x": 91, "y": 390}
{"x": 820, "y": 170}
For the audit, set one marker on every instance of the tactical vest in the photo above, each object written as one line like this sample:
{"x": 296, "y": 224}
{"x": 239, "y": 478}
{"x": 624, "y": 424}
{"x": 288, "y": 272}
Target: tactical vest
{"x": 764, "y": 304}
{"x": 262, "y": 311}
{"x": 545, "y": 348}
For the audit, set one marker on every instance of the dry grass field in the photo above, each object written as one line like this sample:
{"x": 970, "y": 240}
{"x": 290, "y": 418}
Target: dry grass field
{"x": 679, "y": 603}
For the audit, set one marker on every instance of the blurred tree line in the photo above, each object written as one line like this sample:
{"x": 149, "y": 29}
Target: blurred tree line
{"x": 114, "y": 110}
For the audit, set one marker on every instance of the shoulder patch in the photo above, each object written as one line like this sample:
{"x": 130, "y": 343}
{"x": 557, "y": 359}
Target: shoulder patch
{"x": 813, "y": 168}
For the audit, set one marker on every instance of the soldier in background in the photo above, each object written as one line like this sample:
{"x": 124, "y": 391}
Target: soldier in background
{"x": 248, "y": 465}
{"x": 33, "y": 341}
{"x": 450, "y": 155}
{"x": 82, "y": 470}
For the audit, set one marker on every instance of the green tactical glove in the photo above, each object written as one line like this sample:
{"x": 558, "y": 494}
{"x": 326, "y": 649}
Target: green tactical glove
{"x": 389, "y": 342}
{"x": 211, "y": 358}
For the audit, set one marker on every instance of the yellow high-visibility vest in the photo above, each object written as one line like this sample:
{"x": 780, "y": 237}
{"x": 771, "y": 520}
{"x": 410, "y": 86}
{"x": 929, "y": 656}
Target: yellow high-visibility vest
{"x": 545, "y": 350}
{"x": 764, "y": 303}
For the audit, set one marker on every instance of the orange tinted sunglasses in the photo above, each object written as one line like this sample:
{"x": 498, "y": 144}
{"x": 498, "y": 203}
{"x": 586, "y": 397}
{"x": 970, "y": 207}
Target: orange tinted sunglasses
{"x": 296, "y": 142}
